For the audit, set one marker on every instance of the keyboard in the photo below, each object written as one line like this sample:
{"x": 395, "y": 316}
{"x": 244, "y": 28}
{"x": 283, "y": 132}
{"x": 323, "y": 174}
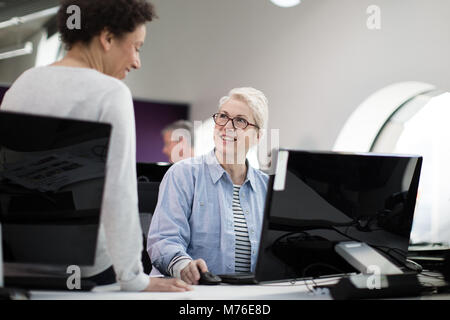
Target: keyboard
{"x": 430, "y": 256}
{"x": 238, "y": 278}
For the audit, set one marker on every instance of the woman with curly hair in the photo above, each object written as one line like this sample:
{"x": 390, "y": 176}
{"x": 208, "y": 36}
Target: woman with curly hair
{"x": 86, "y": 85}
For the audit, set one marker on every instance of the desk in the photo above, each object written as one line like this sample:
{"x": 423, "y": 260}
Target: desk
{"x": 300, "y": 290}
{"x": 274, "y": 291}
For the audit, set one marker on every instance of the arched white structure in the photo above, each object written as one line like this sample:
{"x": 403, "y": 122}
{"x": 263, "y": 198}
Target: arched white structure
{"x": 365, "y": 123}
{"x": 410, "y": 118}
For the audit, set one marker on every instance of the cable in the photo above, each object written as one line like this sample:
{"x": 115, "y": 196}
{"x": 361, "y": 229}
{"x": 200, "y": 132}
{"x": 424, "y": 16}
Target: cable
{"x": 321, "y": 264}
{"x": 318, "y": 264}
{"x": 432, "y": 276}
{"x": 402, "y": 254}
{"x": 289, "y": 234}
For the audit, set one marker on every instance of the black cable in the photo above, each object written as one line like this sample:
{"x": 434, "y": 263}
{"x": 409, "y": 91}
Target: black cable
{"x": 317, "y": 265}
{"x": 345, "y": 235}
{"x": 432, "y": 276}
{"x": 289, "y": 234}
{"x": 377, "y": 247}
{"x": 404, "y": 257}
{"x": 321, "y": 264}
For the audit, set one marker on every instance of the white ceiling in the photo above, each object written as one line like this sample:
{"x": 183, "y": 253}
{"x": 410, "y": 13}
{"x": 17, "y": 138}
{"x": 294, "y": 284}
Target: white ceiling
{"x": 16, "y": 33}
{"x": 18, "y": 8}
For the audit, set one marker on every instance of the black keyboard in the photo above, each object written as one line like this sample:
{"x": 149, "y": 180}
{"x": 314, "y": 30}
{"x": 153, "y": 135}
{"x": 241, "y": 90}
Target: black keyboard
{"x": 238, "y": 278}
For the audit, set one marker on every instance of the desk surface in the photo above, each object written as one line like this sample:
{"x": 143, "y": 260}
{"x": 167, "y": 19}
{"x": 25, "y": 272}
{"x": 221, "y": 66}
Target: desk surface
{"x": 300, "y": 290}
{"x": 275, "y": 291}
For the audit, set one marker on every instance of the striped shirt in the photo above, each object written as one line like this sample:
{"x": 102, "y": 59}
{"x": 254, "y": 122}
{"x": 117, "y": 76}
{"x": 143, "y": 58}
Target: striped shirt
{"x": 243, "y": 246}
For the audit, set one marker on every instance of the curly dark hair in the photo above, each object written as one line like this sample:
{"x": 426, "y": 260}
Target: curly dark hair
{"x": 117, "y": 16}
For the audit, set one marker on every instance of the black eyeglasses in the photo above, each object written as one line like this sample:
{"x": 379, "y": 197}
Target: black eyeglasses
{"x": 238, "y": 123}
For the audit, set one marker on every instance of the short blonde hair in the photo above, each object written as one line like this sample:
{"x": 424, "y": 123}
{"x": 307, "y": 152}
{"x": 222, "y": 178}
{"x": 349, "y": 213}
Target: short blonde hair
{"x": 255, "y": 99}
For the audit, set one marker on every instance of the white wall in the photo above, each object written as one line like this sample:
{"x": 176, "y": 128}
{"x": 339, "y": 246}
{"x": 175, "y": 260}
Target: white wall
{"x": 316, "y": 62}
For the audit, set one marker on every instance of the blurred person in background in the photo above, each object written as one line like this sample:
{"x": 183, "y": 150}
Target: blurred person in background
{"x": 178, "y": 140}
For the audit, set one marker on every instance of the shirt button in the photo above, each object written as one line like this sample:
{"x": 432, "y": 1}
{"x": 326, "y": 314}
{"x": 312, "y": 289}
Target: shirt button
{"x": 246, "y": 212}
{"x": 202, "y": 203}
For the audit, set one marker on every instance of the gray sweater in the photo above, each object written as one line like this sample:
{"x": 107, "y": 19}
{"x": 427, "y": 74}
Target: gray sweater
{"x": 86, "y": 94}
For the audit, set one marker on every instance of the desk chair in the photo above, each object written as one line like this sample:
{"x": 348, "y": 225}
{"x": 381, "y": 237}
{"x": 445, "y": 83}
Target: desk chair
{"x": 148, "y": 198}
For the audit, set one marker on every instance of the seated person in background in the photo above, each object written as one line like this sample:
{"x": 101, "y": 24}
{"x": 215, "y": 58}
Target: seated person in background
{"x": 178, "y": 140}
{"x": 210, "y": 208}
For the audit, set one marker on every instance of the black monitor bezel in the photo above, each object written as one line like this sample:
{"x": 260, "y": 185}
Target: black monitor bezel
{"x": 258, "y": 275}
{"x": 107, "y": 129}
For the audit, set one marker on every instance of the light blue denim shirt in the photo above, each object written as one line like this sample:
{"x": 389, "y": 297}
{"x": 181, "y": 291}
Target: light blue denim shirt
{"x": 194, "y": 215}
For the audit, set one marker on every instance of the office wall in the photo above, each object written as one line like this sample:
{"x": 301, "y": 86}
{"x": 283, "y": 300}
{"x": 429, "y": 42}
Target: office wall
{"x": 151, "y": 118}
{"x": 316, "y": 62}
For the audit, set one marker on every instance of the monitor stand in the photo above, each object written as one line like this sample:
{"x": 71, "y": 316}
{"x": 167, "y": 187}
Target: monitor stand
{"x": 366, "y": 259}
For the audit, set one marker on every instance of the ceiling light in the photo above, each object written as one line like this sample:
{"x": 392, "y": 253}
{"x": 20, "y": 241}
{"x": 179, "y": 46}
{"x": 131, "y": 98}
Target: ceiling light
{"x": 27, "y": 48}
{"x": 286, "y": 3}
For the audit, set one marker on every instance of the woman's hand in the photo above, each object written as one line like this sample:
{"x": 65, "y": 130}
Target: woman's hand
{"x": 191, "y": 273}
{"x": 167, "y": 285}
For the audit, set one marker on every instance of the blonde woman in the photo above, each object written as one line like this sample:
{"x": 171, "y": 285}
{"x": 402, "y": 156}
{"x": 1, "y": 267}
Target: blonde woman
{"x": 210, "y": 208}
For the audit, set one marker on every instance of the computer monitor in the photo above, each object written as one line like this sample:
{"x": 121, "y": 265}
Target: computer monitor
{"x": 149, "y": 176}
{"x": 151, "y": 171}
{"x": 52, "y": 174}
{"x": 318, "y": 199}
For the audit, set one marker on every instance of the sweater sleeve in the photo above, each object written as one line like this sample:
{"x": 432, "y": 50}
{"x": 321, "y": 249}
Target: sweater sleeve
{"x": 120, "y": 214}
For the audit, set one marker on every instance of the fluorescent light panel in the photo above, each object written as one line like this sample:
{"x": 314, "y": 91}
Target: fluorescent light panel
{"x": 286, "y": 3}
{"x": 16, "y": 52}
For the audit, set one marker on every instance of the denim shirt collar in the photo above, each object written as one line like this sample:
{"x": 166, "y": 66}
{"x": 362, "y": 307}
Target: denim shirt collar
{"x": 217, "y": 171}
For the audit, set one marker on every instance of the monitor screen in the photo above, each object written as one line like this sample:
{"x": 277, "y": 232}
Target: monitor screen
{"x": 318, "y": 199}
{"x": 151, "y": 171}
{"x": 52, "y": 174}
{"x": 149, "y": 176}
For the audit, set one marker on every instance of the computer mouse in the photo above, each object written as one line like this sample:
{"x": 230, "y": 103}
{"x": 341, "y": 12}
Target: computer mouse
{"x": 208, "y": 278}
{"x": 413, "y": 266}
